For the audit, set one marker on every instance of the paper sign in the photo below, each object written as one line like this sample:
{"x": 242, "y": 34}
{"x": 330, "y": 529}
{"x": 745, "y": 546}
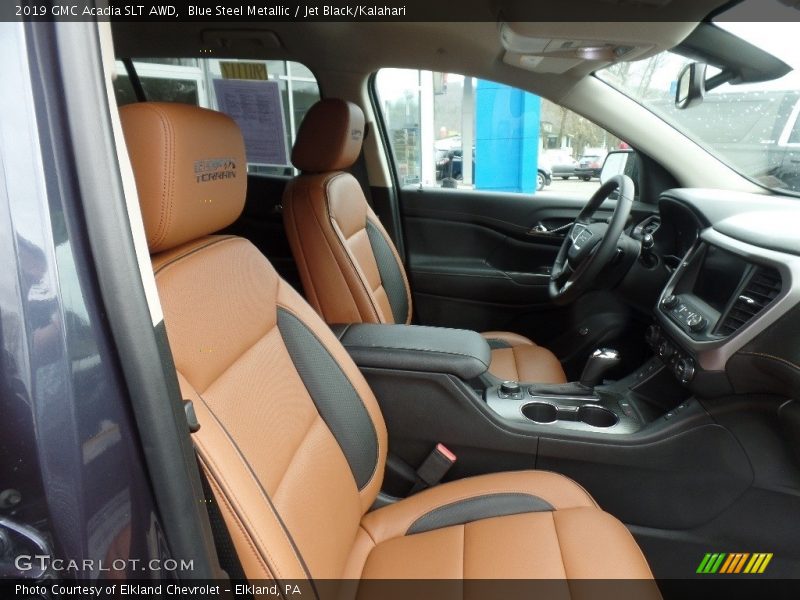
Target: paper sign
{"x": 257, "y": 108}
{"x": 243, "y": 70}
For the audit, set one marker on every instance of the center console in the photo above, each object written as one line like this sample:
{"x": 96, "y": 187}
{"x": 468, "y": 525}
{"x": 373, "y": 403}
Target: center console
{"x": 604, "y": 411}
{"x": 404, "y": 353}
{"x": 434, "y": 386}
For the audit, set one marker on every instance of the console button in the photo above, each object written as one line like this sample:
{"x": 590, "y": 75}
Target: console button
{"x": 510, "y": 388}
{"x": 627, "y": 410}
{"x": 665, "y": 350}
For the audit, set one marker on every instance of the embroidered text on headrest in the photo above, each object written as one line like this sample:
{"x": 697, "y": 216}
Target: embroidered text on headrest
{"x": 212, "y": 169}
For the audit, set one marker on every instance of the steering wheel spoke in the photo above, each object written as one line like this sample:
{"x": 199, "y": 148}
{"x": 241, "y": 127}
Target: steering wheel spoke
{"x": 558, "y": 273}
{"x": 590, "y": 246}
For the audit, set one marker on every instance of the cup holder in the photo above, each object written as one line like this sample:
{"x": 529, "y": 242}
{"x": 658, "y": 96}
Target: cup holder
{"x": 590, "y": 414}
{"x": 597, "y": 416}
{"x": 540, "y": 412}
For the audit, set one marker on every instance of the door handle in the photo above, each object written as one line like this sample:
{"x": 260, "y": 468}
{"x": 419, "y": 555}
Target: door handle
{"x": 541, "y": 229}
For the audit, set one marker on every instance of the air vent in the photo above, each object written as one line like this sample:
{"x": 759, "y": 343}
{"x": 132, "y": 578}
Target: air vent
{"x": 761, "y": 290}
{"x": 651, "y": 225}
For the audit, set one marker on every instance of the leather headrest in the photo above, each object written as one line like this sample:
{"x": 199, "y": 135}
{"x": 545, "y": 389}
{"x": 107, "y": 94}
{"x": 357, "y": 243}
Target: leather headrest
{"x": 190, "y": 170}
{"x": 330, "y": 137}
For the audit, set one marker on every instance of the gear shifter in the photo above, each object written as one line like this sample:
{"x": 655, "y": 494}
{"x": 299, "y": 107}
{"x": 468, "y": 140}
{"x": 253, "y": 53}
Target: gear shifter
{"x": 598, "y": 364}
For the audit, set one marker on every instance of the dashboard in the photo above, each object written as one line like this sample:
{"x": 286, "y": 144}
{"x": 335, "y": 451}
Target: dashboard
{"x": 734, "y": 264}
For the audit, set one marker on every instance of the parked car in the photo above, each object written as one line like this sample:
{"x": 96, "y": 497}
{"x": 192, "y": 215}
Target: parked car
{"x": 544, "y": 175}
{"x": 766, "y": 142}
{"x": 590, "y": 165}
{"x": 561, "y": 163}
{"x": 449, "y": 165}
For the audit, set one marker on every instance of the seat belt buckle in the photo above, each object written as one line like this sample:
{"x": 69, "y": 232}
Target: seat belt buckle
{"x": 434, "y": 468}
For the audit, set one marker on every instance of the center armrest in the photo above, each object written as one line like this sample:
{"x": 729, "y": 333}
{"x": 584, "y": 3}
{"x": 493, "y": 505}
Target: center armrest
{"x": 459, "y": 352}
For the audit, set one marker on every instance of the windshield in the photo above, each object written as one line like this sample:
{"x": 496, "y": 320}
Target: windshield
{"x": 753, "y": 128}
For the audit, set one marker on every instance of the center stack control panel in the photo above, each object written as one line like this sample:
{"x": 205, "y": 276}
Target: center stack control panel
{"x": 682, "y": 365}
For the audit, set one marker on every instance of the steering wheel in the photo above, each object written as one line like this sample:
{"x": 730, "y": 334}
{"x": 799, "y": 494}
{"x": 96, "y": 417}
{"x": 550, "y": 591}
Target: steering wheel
{"x": 589, "y": 246}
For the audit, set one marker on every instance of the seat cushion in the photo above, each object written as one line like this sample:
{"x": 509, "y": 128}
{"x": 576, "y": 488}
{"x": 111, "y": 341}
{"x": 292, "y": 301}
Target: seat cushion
{"x": 521, "y": 525}
{"x": 517, "y": 358}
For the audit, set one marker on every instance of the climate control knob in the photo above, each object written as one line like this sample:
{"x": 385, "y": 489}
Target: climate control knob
{"x": 684, "y": 370}
{"x": 696, "y": 323}
{"x": 670, "y": 301}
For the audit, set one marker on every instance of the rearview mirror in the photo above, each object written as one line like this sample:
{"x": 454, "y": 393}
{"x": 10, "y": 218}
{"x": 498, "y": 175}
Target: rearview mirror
{"x": 691, "y": 87}
{"x": 619, "y": 162}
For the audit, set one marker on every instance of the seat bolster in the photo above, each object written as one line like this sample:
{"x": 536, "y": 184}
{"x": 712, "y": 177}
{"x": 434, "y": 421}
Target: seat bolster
{"x": 507, "y": 339}
{"x": 402, "y": 277}
{"x": 333, "y": 283}
{"x": 548, "y": 488}
{"x": 289, "y": 299}
{"x": 262, "y": 543}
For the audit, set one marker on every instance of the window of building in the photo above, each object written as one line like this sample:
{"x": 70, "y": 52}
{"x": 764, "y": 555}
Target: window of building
{"x": 455, "y": 131}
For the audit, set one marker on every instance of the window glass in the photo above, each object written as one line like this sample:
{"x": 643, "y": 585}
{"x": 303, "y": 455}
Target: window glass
{"x": 165, "y": 90}
{"x": 192, "y": 81}
{"x": 518, "y": 142}
{"x": 794, "y": 134}
{"x": 745, "y": 124}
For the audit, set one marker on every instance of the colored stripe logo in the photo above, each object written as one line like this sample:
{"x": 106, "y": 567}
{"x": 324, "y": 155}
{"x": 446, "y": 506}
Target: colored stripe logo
{"x": 734, "y": 563}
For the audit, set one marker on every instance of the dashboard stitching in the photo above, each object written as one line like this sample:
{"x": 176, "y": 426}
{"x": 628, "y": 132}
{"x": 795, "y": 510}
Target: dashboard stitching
{"x": 778, "y": 358}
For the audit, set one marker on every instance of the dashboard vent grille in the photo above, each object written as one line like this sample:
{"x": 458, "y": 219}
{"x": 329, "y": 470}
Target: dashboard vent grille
{"x": 651, "y": 225}
{"x": 762, "y": 288}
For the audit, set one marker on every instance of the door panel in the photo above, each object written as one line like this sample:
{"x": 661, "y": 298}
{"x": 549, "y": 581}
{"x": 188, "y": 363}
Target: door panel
{"x": 475, "y": 261}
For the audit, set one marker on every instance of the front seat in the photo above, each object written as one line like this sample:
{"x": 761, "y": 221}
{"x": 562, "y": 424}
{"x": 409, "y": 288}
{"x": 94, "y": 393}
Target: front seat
{"x": 291, "y": 438}
{"x": 348, "y": 265}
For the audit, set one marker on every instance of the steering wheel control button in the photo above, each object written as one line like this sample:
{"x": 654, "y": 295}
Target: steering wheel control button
{"x": 583, "y": 237}
{"x": 669, "y": 302}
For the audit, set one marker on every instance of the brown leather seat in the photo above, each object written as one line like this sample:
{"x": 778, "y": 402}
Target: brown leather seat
{"x": 349, "y": 267}
{"x": 292, "y": 439}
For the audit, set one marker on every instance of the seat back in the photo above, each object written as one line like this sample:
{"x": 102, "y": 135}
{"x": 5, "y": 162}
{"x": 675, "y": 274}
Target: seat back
{"x": 349, "y": 267}
{"x": 291, "y": 439}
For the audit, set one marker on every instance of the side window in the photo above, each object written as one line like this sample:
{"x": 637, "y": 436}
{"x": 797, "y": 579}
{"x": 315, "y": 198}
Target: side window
{"x": 267, "y": 98}
{"x": 455, "y": 131}
{"x": 794, "y": 133}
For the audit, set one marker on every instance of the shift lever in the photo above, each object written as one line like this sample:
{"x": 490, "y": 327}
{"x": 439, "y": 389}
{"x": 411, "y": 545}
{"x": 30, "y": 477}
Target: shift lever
{"x": 599, "y": 362}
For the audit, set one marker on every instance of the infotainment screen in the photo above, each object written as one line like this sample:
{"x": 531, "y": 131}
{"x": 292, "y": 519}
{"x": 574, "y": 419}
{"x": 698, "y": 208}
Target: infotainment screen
{"x": 719, "y": 277}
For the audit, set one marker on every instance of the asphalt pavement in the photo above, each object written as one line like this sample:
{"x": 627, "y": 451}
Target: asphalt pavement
{"x": 573, "y": 185}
